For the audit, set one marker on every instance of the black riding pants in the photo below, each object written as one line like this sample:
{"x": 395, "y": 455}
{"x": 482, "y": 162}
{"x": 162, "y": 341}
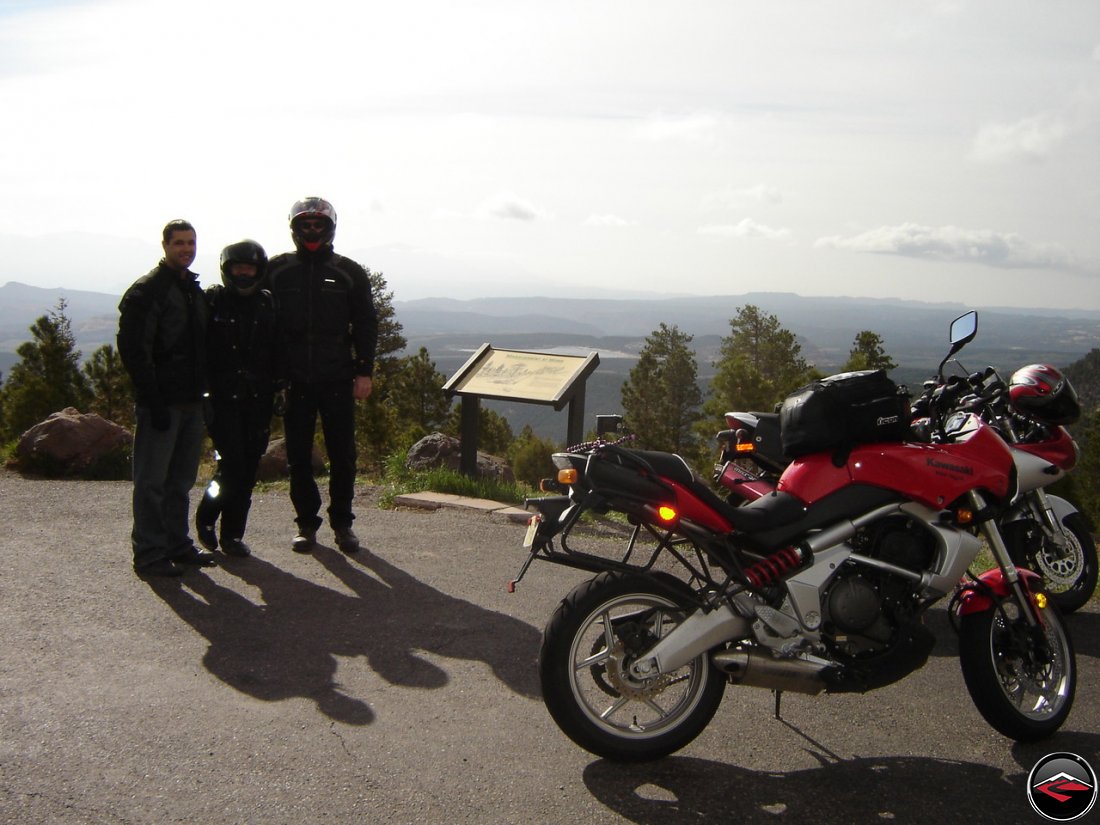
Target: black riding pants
{"x": 334, "y": 403}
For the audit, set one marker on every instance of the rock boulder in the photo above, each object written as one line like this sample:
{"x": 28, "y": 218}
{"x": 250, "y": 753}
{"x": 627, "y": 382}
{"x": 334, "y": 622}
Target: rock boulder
{"x": 439, "y": 450}
{"x": 273, "y": 464}
{"x": 71, "y": 443}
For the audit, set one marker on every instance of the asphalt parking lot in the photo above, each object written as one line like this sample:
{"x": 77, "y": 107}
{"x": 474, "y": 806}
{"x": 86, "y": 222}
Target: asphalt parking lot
{"x": 398, "y": 685}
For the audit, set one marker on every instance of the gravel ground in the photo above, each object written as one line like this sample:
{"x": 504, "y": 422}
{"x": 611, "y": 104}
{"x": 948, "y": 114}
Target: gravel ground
{"x": 398, "y": 685}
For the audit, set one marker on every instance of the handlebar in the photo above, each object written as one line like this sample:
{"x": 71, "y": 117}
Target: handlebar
{"x": 983, "y": 393}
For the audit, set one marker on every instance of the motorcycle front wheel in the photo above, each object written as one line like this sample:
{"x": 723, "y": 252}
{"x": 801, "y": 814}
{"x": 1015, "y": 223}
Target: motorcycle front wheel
{"x": 1078, "y": 569}
{"x": 1069, "y": 576}
{"x": 588, "y": 646}
{"x": 1022, "y": 678}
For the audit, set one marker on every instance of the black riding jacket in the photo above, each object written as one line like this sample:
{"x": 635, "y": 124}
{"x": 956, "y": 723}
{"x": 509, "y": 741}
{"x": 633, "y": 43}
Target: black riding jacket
{"x": 327, "y": 325}
{"x": 162, "y": 337}
{"x": 241, "y": 346}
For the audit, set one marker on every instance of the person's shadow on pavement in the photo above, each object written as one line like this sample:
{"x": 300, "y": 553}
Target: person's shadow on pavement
{"x": 284, "y": 643}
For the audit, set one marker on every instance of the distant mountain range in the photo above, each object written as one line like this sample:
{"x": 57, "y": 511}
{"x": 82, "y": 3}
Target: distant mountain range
{"x": 914, "y": 333}
{"x": 826, "y": 327}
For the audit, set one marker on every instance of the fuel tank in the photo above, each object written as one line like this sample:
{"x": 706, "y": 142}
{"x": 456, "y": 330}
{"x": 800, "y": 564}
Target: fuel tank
{"x": 933, "y": 474}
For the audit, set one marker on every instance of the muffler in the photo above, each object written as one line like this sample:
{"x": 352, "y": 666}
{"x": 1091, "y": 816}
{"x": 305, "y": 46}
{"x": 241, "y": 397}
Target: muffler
{"x": 754, "y": 669}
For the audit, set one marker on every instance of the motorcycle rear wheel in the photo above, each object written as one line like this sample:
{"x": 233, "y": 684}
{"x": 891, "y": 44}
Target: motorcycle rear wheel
{"x": 587, "y": 647}
{"x": 1022, "y": 679}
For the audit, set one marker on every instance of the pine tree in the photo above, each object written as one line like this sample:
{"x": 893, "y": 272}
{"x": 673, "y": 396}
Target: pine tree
{"x": 661, "y": 398}
{"x": 418, "y": 398}
{"x": 494, "y": 433}
{"x": 47, "y": 379}
{"x": 1085, "y": 477}
{"x": 1084, "y": 374}
{"x": 112, "y": 390}
{"x": 759, "y": 364}
{"x": 376, "y": 422}
{"x": 529, "y": 457}
{"x": 867, "y": 353}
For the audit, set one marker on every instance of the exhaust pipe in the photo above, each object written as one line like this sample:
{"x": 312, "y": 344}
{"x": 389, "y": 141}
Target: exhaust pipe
{"x": 753, "y": 669}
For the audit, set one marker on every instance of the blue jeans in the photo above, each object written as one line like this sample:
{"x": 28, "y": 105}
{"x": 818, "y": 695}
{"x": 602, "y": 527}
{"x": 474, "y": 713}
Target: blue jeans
{"x": 166, "y": 464}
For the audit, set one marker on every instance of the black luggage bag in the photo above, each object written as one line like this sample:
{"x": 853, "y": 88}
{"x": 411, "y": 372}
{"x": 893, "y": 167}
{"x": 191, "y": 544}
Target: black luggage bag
{"x": 843, "y": 410}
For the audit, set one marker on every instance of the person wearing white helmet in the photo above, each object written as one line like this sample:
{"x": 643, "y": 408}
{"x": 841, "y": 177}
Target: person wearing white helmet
{"x": 328, "y": 332}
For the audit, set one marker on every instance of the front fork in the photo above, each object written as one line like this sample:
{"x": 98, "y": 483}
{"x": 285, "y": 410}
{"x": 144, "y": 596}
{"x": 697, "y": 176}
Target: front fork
{"x": 1010, "y": 582}
{"x": 1038, "y": 502}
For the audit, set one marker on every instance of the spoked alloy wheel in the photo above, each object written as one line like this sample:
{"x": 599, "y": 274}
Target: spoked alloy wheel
{"x": 1022, "y": 679}
{"x": 588, "y": 646}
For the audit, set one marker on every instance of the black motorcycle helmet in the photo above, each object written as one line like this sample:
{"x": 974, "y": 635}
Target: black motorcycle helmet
{"x": 244, "y": 252}
{"x": 312, "y": 223}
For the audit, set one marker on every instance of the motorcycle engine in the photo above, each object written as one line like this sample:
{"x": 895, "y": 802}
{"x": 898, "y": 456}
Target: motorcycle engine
{"x": 857, "y": 621}
{"x": 865, "y": 606}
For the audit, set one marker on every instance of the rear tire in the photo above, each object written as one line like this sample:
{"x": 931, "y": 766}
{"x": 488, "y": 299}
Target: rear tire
{"x": 1022, "y": 679}
{"x": 587, "y": 647}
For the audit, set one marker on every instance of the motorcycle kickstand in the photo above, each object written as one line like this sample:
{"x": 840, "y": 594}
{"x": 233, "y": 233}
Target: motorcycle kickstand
{"x": 778, "y": 699}
{"x": 511, "y": 586}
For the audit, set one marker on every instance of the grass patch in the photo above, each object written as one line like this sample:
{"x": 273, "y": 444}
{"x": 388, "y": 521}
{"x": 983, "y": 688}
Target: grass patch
{"x": 398, "y": 479}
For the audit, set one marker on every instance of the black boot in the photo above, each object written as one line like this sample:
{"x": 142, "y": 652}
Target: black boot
{"x": 235, "y": 547}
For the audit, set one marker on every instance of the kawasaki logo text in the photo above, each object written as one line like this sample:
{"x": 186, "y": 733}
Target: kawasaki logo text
{"x": 955, "y": 468}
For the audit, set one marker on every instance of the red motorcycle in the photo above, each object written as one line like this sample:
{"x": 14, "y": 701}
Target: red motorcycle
{"x": 1043, "y": 532}
{"x": 818, "y": 585}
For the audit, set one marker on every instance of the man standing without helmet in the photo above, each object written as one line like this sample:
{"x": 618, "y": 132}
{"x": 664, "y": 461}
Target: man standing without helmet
{"x": 328, "y": 329}
{"x": 161, "y": 340}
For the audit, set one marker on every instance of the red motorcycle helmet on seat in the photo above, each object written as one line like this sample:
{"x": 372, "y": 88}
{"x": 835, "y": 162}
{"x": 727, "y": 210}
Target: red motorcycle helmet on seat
{"x": 1041, "y": 392}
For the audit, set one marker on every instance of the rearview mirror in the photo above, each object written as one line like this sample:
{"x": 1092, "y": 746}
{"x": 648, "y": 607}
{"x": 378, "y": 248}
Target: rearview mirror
{"x": 964, "y": 328}
{"x": 608, "y": 424}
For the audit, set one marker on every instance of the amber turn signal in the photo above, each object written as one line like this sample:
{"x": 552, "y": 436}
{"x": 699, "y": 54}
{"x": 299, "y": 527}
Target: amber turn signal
{"x": 567, "y": 476}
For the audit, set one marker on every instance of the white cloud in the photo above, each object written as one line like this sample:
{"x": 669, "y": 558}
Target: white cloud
{"x": 951, "y": 243}
{"x": 747, "y": 228}
{"x": 607, "y": 220}
{"x": 509, "y": 207}
{"x": 701, "y": 127}
{"x": 737, "y": 198}
{"x": 1032, "y": 138}
{"x": 594, "y": 115}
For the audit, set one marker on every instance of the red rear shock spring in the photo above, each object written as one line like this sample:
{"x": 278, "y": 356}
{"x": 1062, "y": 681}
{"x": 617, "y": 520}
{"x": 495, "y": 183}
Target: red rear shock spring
{"x": 772, "y": 568}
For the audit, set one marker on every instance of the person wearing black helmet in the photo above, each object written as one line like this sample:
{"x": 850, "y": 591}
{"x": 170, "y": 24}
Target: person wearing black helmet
{"x": 328, "y": 332}
{"x": 242, "y": 375}
{"x": 161, "y": 340}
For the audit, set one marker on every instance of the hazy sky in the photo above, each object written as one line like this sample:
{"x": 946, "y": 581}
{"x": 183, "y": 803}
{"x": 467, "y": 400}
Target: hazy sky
{"x": 927, "y": 150}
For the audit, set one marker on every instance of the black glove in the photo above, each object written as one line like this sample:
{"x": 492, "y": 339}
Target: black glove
{"x": 161, "y": 417}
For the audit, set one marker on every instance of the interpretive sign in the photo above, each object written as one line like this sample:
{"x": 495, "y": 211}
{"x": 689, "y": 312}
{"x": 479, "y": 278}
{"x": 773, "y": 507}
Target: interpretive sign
{"x": 513, "y": 375}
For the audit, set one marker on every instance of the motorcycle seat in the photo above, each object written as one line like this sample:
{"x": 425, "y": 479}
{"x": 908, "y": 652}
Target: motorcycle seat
{"x": 769, "y": 512}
